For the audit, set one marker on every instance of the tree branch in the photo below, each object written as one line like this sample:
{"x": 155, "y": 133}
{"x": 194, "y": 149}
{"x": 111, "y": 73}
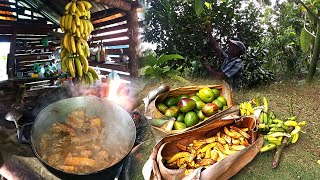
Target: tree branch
{"x": 309, "y": 11}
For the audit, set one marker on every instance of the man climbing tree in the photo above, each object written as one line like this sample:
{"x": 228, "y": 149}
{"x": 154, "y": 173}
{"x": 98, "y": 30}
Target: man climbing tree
{"x": 232, "y": 65}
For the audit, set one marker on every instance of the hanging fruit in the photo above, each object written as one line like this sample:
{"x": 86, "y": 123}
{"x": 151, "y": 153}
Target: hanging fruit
{"x": 75, "y": 50}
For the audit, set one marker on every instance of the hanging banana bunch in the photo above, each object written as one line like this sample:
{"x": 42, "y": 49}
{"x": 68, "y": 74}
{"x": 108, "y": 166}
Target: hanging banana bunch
{"x": 77, "y": 27}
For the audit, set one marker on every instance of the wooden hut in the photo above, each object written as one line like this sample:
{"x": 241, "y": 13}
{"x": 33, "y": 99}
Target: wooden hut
{"x": 32, "y": 28}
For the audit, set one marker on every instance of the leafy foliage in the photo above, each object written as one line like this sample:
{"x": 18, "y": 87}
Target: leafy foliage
{"x": 151, "y": 69}
{"x": 177, "y": 29}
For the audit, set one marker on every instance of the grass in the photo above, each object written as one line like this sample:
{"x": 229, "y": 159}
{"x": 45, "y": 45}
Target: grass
{"x": 299, "y": 160}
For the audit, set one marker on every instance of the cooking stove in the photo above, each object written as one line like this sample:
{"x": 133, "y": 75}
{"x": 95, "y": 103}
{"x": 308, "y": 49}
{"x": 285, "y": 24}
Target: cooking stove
{"x": 30, "y": 111}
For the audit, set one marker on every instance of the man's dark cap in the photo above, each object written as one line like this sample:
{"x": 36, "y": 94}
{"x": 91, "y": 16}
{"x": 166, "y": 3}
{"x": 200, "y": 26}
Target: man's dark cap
{"x": 239, "y": 44}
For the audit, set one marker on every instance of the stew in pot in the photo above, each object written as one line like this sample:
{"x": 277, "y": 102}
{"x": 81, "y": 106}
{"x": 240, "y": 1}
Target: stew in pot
{"x": 76, "y": 145}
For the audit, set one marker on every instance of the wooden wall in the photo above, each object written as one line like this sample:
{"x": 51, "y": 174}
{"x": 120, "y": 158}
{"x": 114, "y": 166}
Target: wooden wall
{"x": 112, "y": 29}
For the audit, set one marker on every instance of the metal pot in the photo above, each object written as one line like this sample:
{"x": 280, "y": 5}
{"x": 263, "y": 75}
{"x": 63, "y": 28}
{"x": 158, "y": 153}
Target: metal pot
{"x": 119, "y": 125}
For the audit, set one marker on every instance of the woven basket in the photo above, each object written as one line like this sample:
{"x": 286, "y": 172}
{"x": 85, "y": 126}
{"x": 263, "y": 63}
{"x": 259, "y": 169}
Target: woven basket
{"x": 154, "y": 113}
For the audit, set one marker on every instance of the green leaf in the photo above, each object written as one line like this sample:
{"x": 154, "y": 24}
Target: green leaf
{"x": 166, "y": 58}
{"x": 208, "y": 5}
{"x": 305, "y": 40}
{"x": 199, "y": 6}
{"x": 223, "y": 1}
{"x": 149, "y": 60}
{"x": 179, "y": 78}
{"x": 142, "y": 71}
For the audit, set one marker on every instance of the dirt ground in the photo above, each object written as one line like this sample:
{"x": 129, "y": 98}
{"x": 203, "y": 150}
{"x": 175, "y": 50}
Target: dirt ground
{"x": 299, "y": 161}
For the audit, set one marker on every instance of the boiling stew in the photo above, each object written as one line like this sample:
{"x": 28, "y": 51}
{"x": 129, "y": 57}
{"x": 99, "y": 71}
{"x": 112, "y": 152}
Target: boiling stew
{"x": 76, "y": 145}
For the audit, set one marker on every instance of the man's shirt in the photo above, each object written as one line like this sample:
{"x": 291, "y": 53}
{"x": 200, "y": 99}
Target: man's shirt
{"x": 230, "y": 67}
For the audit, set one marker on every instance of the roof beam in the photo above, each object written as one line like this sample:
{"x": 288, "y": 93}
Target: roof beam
{"x": 120, "y": 4}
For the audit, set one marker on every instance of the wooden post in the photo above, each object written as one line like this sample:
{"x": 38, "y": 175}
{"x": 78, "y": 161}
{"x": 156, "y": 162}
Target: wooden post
{"x": 134, "y": 42}
{"x": 120, "y": 4}
{"x": 11, "y": 58}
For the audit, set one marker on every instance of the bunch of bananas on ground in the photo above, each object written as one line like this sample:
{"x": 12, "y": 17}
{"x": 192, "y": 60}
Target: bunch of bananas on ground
{"x": 247, "y": 108}
{"x": 75, "y": 49}
{"x": 205, "y": 152}
{"x": 275, "y": 129}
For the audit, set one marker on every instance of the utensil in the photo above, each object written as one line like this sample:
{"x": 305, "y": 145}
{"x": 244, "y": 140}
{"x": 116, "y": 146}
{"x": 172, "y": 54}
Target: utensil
{"x": 120, "y": 130}
{"x": 14, "y": 116}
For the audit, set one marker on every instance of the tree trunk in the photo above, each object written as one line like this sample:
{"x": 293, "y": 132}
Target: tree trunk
{"x": 134, "y": 41}
{"x": 315, "y": 56}
{"x": 120, "y": 4}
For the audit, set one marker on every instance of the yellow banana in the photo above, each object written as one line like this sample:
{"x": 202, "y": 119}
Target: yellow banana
{"x": 89, "y": 15}
{"x": 302, "y": 123}
{"x": 231, "y": 134}
{"x": 70, "y": 21}
{"x": 295, "y": 138}
{"x": 278, "y": 134}
{"x": 71, "y": 67}
{"x": 290, "y": 123}
{"x": 93, "y": 72}
{"x": 250, "y": 109}
{"x": 74, "y": 27}
{"x": 90, "y": 26}
{"x": 178, "y": 156}
{"x": 64, "y": 63}
{"x": 81, "y": 6}
{"x": 66, "y": 12}
{"x": 81, "y": 28}
{"x": 61, "y": 21}
{"x": 73, "y": 7}
{"x": 78, "y": 12}
{"x": 76, "y": 17}
{"x": 86, "y": 36}
{"x": 86, "y": 4}
{"x": 85, "y": 27}
{"x": 63, "y": 53}
{"x": 296, "y": 130}
{"x": 85, "y": 63}
{"x": 265, "y": 104}
{"x": 79, "y": 48}
{"x": 78, "y": 34}
{"x": 86, "y": 46}
{"x": 73, "y": 44}
{"x": 66, "y": 41}
{"x": 78, "y": 66}
{"x": 68, "y": 6}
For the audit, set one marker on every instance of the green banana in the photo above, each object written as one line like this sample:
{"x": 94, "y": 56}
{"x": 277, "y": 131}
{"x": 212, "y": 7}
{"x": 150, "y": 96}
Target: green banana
{"x": 277, "y": 121}
{"x": 261, "y": 126}
{"x": 71, "y": 67}
{"x": 268, "y": 147}
{"x": 265, "y": 118}
{"x": 93, "y": 72}
{"x": 90, "y": 78}
{"x": 276, "y": 129}
{"x": 78, "y": 66}
{"x": 274, "y": 141}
